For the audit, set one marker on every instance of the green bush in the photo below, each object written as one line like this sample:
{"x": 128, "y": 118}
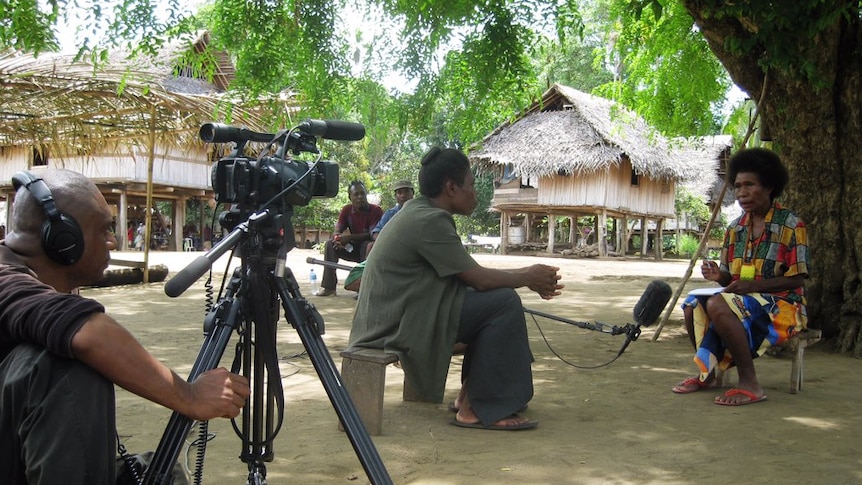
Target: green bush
{"x": 686, "y": 245}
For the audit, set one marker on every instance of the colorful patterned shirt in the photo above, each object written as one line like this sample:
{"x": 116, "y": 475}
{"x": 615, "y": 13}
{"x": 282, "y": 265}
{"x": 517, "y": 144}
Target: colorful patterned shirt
{"x": 782, "y": 249}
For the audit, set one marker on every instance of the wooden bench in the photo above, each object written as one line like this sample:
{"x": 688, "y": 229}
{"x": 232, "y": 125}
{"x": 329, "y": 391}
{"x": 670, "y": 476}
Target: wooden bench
{"x": 363, "y": 372}
{"x": 796, "y": 345}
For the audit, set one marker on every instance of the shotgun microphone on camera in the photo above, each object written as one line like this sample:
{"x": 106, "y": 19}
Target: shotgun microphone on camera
{"x": 332, "y": 129}
{"x": 222, "y": 133}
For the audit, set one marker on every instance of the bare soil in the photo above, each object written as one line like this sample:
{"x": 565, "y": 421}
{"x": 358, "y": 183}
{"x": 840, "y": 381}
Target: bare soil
{"x": 613, "y": 424}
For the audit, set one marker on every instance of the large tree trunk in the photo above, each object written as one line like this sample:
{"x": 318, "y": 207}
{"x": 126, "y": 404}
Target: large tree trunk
{"x": 817, "y": 130}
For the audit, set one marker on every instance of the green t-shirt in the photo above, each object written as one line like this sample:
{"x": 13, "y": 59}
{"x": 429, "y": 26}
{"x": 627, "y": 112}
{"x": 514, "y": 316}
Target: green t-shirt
{"x": 411, "y": 298}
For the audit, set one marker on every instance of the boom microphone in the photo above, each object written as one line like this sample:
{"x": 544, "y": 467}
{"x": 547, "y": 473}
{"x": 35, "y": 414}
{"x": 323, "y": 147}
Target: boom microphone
{"x": 333, "y": 129}
{"x": 647, "y": 310}
{"x": 652, "y": 302}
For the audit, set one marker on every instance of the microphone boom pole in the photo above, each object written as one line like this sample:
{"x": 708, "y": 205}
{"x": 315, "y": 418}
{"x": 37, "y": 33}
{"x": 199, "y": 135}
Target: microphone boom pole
{"x": 597, "y": 326}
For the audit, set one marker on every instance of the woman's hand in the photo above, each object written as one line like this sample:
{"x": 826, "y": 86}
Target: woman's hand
{"x": 742, "y": 287}
{"x": 710, "y": 271}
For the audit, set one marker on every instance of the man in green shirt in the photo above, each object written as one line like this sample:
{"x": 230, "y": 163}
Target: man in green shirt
{"x": 422, "y": 292}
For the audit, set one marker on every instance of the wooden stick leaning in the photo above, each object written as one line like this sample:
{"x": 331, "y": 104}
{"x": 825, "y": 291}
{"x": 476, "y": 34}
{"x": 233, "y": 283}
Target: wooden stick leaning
{"x": 697, "y": 254}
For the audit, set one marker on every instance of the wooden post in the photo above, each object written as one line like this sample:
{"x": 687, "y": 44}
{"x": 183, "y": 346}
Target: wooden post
{"x": 644, "y": 237}
{"x": 123, "y": 221}
{"x": 659, "y": 234}
{"x": 601, "y": 232}
{"x": 504, "y": 232}
{"x": 148, "y": 215}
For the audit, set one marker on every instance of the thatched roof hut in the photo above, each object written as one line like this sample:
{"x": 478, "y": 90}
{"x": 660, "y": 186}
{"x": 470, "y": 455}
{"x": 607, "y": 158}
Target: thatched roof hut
{"x": 571, "y": 131}
{"x": 573, "y": 154}
{"x": 131, "y": 125}
{"x": 54, "y": 100}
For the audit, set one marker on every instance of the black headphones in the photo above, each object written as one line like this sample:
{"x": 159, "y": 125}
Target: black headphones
{"x": 62, "y": 239}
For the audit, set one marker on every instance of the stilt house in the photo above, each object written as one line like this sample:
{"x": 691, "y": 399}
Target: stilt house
{"x": 572, "y": 154}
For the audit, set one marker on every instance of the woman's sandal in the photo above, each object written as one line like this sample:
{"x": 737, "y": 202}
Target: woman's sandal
{"x": 692, "y": 384}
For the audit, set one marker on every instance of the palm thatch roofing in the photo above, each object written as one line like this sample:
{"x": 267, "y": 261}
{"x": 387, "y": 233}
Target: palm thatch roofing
{"x": 53, "y": 99}
{"x": 569, "y": 131}
{"x": 709, "y": 154}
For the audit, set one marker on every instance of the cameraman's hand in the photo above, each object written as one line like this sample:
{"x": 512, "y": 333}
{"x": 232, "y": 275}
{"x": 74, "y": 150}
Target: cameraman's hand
{"x": 217, "y": 393}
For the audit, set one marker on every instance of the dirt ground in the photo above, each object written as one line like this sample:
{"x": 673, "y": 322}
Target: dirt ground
{"x": 615, "y": 424}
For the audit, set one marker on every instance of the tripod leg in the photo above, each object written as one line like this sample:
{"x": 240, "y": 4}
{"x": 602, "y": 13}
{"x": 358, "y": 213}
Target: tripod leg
{"x": 303, "y": 317}
{"x": 260, "y": 365}
{"x": 225, "y": 318}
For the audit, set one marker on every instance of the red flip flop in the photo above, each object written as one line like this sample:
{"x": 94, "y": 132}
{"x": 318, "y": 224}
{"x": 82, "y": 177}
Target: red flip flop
{"x": 686, "y": 386}
{"x": 752, "y": 398}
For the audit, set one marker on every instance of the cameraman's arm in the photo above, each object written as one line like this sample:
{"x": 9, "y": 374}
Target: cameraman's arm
{"x": 108, "y": 348}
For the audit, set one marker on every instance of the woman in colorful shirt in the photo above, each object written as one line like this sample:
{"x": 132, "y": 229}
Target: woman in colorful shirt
{"x": 764, "y": 261}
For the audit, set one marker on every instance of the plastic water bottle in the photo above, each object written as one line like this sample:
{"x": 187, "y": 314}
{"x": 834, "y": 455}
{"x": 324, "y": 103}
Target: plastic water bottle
{"x": 312, "y": 277}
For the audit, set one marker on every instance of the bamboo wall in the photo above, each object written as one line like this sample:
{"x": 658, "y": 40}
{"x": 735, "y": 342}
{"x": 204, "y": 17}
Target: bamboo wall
{"x": 188, "y": 168}
{"x": 610, "y": 189}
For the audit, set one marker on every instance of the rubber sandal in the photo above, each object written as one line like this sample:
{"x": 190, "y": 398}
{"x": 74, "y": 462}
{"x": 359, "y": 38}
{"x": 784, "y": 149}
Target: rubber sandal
{"x": 752, "y": 398}
{"x": 515, "y": 427}
{"x": 685, "y": 387}
{"x": 453, "y": 409}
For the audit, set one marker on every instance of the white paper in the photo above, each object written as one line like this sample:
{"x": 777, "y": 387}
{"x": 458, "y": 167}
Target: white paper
{"x": 705, "y": 291}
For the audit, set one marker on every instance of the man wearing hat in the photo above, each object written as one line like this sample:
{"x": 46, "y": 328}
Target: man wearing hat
{"x": 403, "y": 192}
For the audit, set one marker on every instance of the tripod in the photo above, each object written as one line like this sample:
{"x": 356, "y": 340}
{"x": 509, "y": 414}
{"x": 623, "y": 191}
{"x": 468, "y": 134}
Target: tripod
{"x": 249, "y": 306}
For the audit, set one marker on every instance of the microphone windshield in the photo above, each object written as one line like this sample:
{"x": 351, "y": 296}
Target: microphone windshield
{"x": 652, "y": 302}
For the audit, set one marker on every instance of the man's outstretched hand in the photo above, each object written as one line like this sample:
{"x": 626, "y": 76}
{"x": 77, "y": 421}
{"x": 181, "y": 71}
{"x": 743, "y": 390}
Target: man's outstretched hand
{"x": 544, "y": 280}
{"x": 217, "y": 393}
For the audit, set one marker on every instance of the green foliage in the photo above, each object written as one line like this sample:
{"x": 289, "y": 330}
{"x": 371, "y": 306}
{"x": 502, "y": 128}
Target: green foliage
{"x": 488, "y": 74}
{"x": 687, "y": 204}
{"x": 686, "y": 245}
{"x": 281, "y": 45}
{"x": 461, "y": 107}
{"x": 653, "y": 47}
{"x": 780, "y": 38}
{"x": 572, "y": 63}
{"x": 25, "y": 26}
{"x": 482, "y": 222}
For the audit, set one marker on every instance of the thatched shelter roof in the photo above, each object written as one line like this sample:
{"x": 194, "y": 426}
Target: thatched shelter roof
{"x": 707, "y": 154}
{"x": 52, "y": 99}
{"x": 569, "y": 131}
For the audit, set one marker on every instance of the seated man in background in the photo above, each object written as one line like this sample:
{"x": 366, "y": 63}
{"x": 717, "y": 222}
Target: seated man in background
{"x": 403, "y": 192}
{"x": 422, "y": 293}
{"x": 359, "y": 217}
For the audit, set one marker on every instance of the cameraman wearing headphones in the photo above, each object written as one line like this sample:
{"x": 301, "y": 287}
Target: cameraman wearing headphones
{"x": 61, "y": 354}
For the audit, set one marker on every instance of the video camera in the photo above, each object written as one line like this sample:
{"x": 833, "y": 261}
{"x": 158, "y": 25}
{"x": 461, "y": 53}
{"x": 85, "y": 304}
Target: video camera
{"x": 264, "y": 190}
{"x": 274, "y": 179}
